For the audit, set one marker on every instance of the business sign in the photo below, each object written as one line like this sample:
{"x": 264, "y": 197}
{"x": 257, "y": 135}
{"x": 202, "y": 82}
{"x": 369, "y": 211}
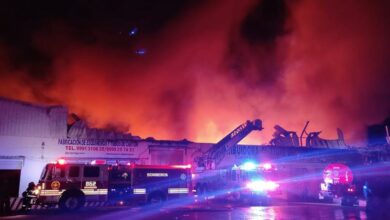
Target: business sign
{"x": 99, "y": 147}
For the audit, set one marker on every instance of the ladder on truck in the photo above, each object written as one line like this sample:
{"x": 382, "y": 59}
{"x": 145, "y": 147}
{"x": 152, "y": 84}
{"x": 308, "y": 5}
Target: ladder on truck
{"x": 217, "y": 152}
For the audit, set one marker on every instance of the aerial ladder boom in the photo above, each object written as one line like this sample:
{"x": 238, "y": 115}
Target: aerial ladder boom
{"x": 218, "y": 151}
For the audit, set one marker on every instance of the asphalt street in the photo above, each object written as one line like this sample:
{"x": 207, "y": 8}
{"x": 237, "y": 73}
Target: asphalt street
{"x": 289, "y": 211}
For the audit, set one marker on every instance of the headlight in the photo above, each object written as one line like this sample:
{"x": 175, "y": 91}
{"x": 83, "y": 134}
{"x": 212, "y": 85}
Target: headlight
{"x": 37, "y": 190}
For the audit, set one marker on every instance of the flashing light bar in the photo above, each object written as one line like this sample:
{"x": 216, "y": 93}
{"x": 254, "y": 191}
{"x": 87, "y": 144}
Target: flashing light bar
{"x": 143, "y": 166}
{"x": 248, "y": 166}
{"x": 139, "y": 191}
{"x": 61, "y": 161}
{"x": 267, "y": 166}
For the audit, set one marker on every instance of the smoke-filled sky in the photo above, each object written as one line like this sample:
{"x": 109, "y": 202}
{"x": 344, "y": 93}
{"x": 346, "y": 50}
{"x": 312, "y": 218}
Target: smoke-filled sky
{"x": 196, "y": 69}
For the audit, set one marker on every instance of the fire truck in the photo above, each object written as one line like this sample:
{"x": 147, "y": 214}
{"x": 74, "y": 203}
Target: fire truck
{"x": 239, "y": 179}
{"x": 338, "y": 183}
{"x": 252, "y": 183}
{"x": 71, "y": 185}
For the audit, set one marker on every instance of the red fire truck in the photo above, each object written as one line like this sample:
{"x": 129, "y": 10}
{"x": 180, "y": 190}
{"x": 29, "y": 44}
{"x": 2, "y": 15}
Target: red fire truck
{"x": 70, "y": 185}
{"x": 249, "y": 182}
{"x": 242, "y": 179}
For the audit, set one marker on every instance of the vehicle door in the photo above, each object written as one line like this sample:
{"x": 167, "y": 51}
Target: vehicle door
{"x": 92, "y": 183}
{"x": 73, "y": 177}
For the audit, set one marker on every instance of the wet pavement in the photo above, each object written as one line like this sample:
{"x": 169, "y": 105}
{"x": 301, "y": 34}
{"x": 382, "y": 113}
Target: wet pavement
{"x": 290, "y": 211}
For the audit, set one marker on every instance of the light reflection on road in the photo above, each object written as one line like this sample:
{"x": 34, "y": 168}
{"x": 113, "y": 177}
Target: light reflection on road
{"x": 299, "y": 212}
{"x": 256, "y": 213}
{"x": 296, "y": 211}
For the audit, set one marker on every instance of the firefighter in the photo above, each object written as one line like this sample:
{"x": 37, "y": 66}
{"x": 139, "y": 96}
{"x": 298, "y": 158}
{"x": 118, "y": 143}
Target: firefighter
{"x": 28, "y": 196}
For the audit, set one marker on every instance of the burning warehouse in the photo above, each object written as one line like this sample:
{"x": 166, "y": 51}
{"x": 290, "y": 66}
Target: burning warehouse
{"x": 193, "y": 69}
{"x": 32, "y": 136}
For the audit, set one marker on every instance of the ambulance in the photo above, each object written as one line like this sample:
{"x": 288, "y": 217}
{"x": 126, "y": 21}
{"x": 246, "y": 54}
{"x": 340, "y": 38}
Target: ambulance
{"x": 71, "y": 185}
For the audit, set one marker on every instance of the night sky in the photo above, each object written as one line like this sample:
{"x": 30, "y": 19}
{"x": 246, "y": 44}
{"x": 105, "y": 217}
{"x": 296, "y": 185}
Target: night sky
{"x": 195, "y": 69}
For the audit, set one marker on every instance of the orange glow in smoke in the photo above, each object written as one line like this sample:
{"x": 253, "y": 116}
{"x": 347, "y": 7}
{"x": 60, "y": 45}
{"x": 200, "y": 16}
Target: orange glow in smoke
{"x": 185, "y": 87}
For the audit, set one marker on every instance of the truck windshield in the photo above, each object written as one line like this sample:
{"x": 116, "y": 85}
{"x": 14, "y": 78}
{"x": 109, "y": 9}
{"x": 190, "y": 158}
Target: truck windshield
{"x": 44, "y": 171}
{"x": 47, "y": 172}
{"x": 120, "y": 174}
{"x": 249, "y": 175}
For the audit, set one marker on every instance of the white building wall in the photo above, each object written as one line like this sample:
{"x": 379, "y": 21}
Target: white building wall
{"x": 37, "y": 152}
{"x": 32, "y": 136}
{"x": 26, "y": 120}
{"x": 30, "y": 149}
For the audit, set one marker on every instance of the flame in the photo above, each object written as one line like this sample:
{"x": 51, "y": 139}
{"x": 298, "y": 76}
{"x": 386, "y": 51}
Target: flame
{"x": 201, "y": 77}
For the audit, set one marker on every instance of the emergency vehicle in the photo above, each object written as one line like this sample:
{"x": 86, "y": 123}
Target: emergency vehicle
{"x": 258, "y": 182}
{"x": 249, "y": 182}
{"x": 295, "y": 174}
{"x": 70, "y": 185}
{"x": 218, "y": 176}
{"x": 338, "y": 183}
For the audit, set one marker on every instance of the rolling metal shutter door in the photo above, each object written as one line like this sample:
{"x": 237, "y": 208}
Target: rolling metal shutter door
{"x": 7, "y": 163}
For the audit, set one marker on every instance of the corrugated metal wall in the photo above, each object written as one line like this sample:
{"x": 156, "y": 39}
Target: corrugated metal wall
{"x": 26, "y": 120}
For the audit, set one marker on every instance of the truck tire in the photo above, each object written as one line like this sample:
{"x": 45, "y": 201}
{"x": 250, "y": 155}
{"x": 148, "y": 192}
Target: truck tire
{"x": 198, "y": 189}
{"x": 349, "y": 201}
{"x": 236, "y": 196}
{"x": 72, "y": 200}
{"x": 265, "y": 202}
{"x": 156, "y": 198}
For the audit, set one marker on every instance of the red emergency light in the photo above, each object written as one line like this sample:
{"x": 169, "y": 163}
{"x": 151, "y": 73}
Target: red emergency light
{"x": 61, "y": 161}
{"x": 188, "y": 166}
{"x": 98, "y": 162}
{"x": 266, "y": 166}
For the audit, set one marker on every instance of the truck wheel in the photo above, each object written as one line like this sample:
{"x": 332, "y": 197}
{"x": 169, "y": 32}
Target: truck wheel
{"x": 205, "y": 187}
{"x": 347, "y": 201}
{"x": 198, "y": 189}
{"x": 236, "y": 196}
{"x": 72, "y": 200}
{"x": 156, "y": 198}
{"x": 265, "y": 202}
